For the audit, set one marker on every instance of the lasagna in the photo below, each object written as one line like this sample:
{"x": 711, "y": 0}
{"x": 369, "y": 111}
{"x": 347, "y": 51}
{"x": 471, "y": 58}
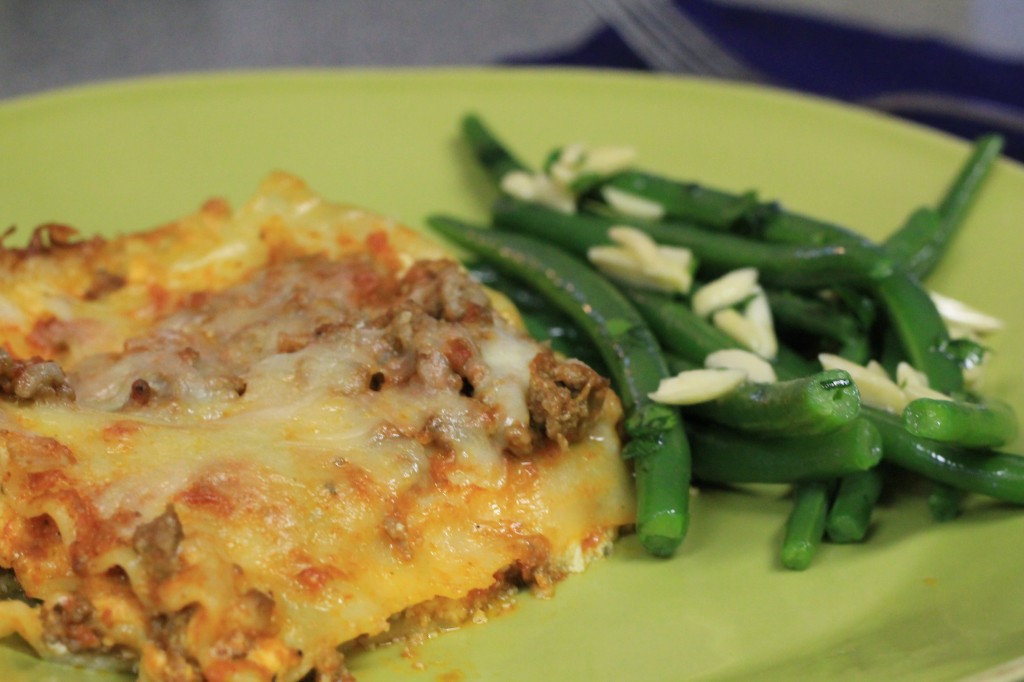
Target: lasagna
{"x": 243, "y": 444}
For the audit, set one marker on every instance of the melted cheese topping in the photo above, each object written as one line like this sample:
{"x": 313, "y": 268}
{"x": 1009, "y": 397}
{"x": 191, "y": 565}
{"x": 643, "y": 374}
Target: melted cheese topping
{"x": 290, "y": 424}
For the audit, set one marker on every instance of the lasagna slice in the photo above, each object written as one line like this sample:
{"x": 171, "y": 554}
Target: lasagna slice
{"x": 239, "y": 445}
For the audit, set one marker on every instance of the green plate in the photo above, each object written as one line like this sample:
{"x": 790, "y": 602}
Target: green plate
{"x": 918, "y": 601}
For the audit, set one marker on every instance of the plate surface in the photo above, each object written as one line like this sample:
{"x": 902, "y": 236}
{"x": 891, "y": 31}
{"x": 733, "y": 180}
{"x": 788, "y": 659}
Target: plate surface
{"x": 918, "y": 601}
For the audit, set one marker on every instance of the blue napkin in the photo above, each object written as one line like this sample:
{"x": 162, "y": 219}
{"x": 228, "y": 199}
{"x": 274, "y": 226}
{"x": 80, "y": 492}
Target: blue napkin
{"x": 940, "y": 84}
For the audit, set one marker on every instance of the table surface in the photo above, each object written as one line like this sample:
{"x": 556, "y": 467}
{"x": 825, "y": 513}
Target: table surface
{"x": 47, "y": 44}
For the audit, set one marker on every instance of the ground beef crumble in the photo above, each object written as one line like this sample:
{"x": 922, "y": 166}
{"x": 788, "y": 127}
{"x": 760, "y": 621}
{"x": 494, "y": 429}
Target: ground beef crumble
{"x": 157, "y": 543}
{"x": 33, "y": 379}
{"x": 563, "y": 397}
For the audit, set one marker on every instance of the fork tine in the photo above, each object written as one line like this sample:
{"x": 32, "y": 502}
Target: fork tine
{"x": 674, "y": 50}
{"x": 677, "y": 29}
{"x": 669, "y": 40}
{"x": 649, "y": 46}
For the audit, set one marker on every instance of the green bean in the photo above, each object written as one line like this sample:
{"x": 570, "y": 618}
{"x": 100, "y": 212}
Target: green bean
{"x": 922, "y": 241}
{"x": 863, "y": 308}
{"x": 740, "y": 213}
{"x": 964, "y": 188}
{"x": 821, "y": 319}
{"x": 904, "y": 244}
{"x": 490, "y": 152}
{"x": 889, "y": 352}
{"x": 971, "y": 425}
{"x": 723, "y": 455}
{"x": 921, "y": 331}
{"x": 805, "y": 524}
{"x": 966, "y": 352}
{"x": 945, "y": 501}
{"x": 789, "y": 364}
{"x": 997, "y": 474}
{"x": 807, "y": 406}
{"x": 778, "y": 264}
{"x": 686, "y": 201}
{"x": 850, "y": 516}
{"x": 678, "y": 364}
{"x": 792, "y": 228}
{"x": 678, "y": 327}
{"x": 656, "y": 441}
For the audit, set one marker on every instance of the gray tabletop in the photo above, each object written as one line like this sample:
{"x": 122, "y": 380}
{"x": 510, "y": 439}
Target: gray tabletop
{"x": 46, "y": 44}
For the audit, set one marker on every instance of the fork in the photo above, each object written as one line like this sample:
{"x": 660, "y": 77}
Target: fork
{"x": 668, "y": 40}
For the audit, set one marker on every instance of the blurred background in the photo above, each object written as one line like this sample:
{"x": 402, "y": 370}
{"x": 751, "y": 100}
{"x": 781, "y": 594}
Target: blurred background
{"x": 957, "y": 65}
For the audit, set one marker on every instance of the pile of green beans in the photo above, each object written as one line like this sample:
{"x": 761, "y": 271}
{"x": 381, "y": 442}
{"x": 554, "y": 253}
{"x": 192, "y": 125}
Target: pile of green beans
{"x": 830, "y": 290}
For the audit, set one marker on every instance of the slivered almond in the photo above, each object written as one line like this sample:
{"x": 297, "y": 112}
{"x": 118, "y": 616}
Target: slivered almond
{"x": 727, "y": 290}
{"x": 749, "y": 334}
{"x": 757, "y": 368}
{"x": 631, "y": 204}
{"x": 698, "y": 386}
{"x": 962, "y": 319}
{"x": 538, "y": 188}
{"x": 876, "y": 390}
{"x": 638, "y": 260}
